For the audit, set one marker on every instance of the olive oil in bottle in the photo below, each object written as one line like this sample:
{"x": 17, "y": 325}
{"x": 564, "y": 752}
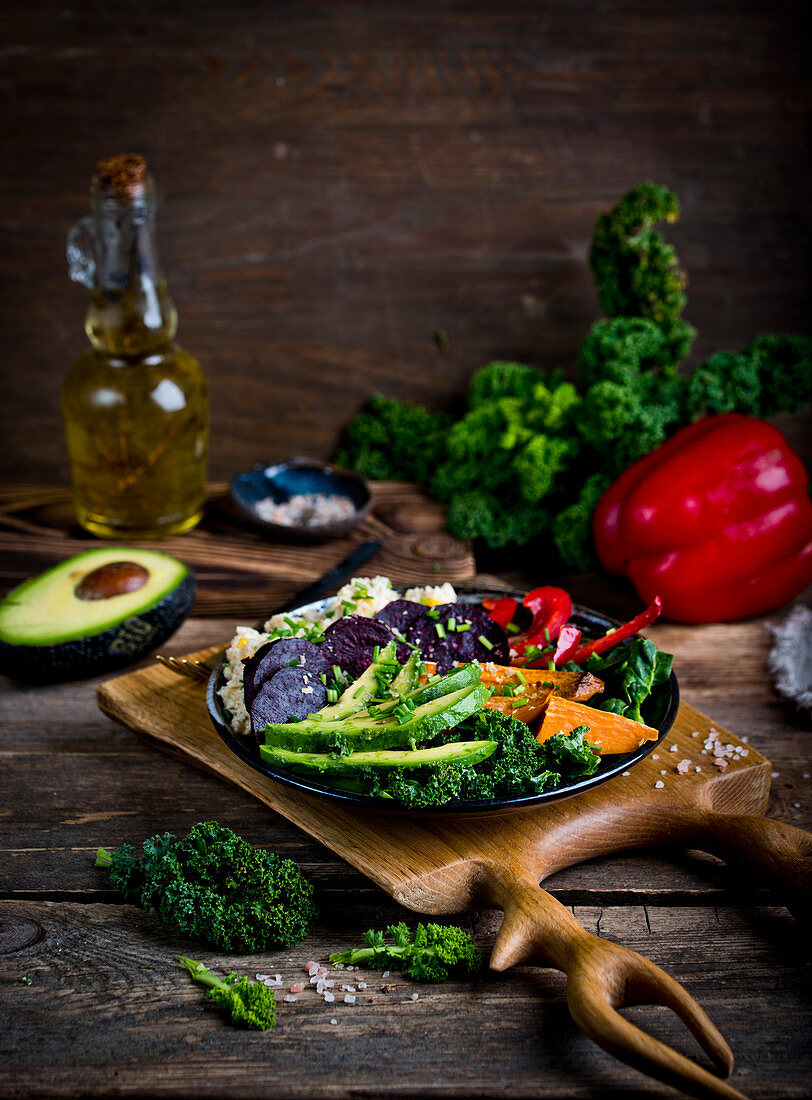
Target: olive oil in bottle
{"x": 135, "y": 405}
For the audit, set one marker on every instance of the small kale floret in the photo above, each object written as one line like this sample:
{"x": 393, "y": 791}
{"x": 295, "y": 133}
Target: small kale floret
{"x": 637, "y": 273}
{"x": 434, "y": 953}
{"x": 520, "y": 766}
{"x": 215, "y": 887}
{"x": 772, "y": 375}
{"x": 784, "y": 366}
{"x": 479, "y": 514}
{"x": 728, "y": 381}
{"x": 500, "y": 379}
{"x": 394, "y": 440}
{"x": 246, "y": 1004}
{"x": 622, "y": 422}
{"x": 572, "y": 527}
{"x": 618, "y": 350}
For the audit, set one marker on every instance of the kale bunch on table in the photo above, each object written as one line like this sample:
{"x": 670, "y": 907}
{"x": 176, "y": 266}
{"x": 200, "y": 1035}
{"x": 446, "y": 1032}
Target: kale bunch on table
{"x": 533, "y": 453}
{"x": 215, "y": 887}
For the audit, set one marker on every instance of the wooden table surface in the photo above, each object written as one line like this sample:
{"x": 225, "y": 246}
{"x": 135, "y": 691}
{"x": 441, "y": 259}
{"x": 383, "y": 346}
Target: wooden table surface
{"x": 107, "y": 1011}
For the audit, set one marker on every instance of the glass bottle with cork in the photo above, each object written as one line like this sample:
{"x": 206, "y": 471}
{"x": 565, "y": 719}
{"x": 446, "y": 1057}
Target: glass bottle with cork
{"x": 135, "y": 405}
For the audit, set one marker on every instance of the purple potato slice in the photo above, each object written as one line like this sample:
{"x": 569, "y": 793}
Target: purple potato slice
{"x": 350, "y": 643}
{"x": 291, "y": 693}
{"x": 275, "y": 655}
{"x": 459, "y": 647}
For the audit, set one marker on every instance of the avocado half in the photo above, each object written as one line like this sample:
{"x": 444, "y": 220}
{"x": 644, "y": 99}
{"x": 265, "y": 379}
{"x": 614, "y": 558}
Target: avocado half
{"x": 97, "y": 611}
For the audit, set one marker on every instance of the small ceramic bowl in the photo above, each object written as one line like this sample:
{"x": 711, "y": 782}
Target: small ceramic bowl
{"x": 292, "y": 478}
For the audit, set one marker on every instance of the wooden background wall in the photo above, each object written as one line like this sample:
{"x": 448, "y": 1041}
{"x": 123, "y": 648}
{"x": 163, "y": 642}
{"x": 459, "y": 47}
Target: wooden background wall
{"x": 340, "y": 179}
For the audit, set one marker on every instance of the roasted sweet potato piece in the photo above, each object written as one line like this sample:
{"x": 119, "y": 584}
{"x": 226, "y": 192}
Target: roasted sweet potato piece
{"x": 610, "y": 733}
{"x": 569, "y": 685}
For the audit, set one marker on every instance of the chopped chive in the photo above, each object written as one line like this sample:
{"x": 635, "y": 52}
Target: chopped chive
{"x": 451, "y": 625}
{"x": 484, "y": 641}
{"x": 440, "y": 630}
{"x": 546, "y": 633}
{"x": 332, "y": 695}
{"x": 462, "y": 627}
{"x": 551, "y": 666}
{"x": 348, "y": 605}
{"x": 521, "y": 677}
{"x": 517, "y": 702}
{"x": 433, "y": 613}
{"x": 290, "y": 664}
{"x": 323, "y": 678}
{"x": 508, "y": 689}
{"x": 375, "y": 652}
{"x": 511, "y": 628}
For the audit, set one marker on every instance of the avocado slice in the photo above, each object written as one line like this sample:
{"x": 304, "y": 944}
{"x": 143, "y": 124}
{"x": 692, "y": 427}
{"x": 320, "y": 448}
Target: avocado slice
{"x": 357, "y": 731}
{"x": 407, "y": 678}
{"x": 456, "y": 752}
{"x": 357, "y": 695}
{"x": 454, "y": 680}
{"x": 93, "y": 612}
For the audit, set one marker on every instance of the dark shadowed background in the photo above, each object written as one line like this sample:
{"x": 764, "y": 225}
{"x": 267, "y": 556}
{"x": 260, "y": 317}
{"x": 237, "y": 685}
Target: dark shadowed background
{"x": 340, "y": 180}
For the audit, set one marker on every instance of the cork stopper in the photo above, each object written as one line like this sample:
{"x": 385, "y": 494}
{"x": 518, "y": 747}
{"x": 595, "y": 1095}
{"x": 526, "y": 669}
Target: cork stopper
{"x": 123, "y": 175}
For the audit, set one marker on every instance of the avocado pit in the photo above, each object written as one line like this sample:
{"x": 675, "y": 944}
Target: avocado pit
{"x": 114, "y": 579}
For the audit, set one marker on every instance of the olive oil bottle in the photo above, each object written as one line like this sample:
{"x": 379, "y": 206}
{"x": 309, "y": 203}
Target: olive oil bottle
{"x": 135, "y": 405}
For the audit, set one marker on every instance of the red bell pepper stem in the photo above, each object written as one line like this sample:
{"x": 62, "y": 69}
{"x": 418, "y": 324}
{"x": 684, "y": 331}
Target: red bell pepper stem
{"x": 551, "y": 608}
{"x": 600, "y": 645}
{"x": 568, "y": 640}
{"x": 501, "y": 610}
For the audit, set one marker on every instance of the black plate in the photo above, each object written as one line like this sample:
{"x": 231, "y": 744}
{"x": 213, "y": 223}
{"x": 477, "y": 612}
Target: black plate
{"x": 659, "y": 711}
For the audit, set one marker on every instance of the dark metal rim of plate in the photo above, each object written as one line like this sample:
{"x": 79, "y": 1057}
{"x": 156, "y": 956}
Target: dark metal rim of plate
{"x": 660, "y": 711}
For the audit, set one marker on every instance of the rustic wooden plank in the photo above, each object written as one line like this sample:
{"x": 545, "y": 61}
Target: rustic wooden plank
{"x": 339, "y": 182}
{"x": 506, "y": 1034}
{"x": 241, "y": 572}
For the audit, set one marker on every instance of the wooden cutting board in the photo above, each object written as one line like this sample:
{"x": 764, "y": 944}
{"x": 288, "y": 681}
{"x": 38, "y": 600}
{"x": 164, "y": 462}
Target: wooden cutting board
{"x": 443, "y": 865}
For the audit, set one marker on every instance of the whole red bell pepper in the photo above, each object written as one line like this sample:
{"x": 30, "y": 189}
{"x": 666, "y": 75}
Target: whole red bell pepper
{"x": 717, "y": 521}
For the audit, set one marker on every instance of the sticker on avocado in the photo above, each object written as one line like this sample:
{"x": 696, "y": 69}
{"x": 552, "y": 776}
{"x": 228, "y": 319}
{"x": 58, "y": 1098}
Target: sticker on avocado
{"x": 133, "y": 636}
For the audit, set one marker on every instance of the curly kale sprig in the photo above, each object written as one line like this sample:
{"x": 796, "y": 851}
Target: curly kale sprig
{"x": 433, "y": 954}
{"x": 393, "y": 440}
{"x": 244, "y": 1003}
{"x": 637, "y": 274}
{"x": 215, "y": 887}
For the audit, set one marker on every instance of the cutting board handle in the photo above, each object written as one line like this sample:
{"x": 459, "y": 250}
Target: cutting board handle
{"x": 601, "y": 978}
{"x": 778, "y": 853}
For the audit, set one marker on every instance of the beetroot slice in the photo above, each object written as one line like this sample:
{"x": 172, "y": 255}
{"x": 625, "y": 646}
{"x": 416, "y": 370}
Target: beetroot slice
{"x": 290, "y": 693}
{"x": 275, "y": 655}
{"x": 459, "y": 647}
{"x": 350, "y": 643}
{"x": 400, "y": 614}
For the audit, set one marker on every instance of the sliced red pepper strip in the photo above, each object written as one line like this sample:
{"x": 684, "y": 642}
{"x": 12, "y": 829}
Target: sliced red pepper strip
{"x": 551, "y": 608}
{"x": 569, "y": 638}
{"x": 600, "y": 645}
{"x": 501, "y": 610}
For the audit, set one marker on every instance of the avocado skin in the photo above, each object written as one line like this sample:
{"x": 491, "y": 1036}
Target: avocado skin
{"x": 114, "y": 648}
